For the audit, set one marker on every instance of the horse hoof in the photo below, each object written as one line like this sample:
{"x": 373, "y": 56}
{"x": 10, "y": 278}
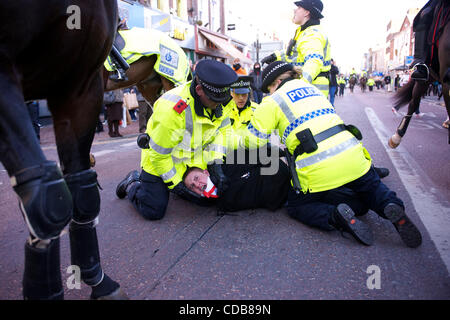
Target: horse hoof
{"x": 446, "y": 124}
{"x": 119, "y": 294}
{"x": 392, "y": 144}
{"x": 91, "y": 160}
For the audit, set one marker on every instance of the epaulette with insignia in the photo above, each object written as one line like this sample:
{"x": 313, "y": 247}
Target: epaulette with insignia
{"x": 180, "y": 106}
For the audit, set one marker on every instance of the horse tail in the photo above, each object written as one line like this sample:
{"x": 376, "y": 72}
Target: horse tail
{"x": 404, "y": 94}
{"x": 446, "y": 78}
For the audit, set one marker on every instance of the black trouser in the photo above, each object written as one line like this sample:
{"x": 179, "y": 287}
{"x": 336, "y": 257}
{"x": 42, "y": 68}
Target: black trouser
{"x": 150, "y": 197}
{"x": 315, "y": 209}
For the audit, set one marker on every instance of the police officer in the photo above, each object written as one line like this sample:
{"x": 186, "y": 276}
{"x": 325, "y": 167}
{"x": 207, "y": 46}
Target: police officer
{"x": 309, "y": 48}
{"x": 243, "y": 107}
{"x": 327, "y": 155}
{"x": 189, "y": 128}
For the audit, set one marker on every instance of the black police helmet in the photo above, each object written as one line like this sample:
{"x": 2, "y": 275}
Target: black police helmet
{"x": 272, "y": 71}
{"x": 315, "y": 7}
{"x": 215, "y": 78}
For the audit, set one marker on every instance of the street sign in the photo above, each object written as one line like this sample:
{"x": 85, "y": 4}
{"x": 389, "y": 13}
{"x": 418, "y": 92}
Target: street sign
{"x": 409, "y": 60}
{"x": 231, "y": 26}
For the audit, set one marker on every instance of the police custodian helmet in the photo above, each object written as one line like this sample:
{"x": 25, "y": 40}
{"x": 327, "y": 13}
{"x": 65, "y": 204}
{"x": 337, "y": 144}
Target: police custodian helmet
{"x": 272, "y": 71}
{"x": 215, "y": 78}
{"x": 315, "y": 7}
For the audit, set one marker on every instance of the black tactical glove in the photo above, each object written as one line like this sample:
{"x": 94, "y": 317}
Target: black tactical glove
{"x": 269, "y": 59}
{"x": 218, "y": 177}
{"x": 184, "y": 192}
{"x": 143, "y": 141}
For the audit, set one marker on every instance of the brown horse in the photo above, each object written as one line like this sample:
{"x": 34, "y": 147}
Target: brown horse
{"x": 352, "y": 83}
{"x": 414, "y": 90}
{"x": 362, "y": 84}
{"x": 143, "y": 72}
{"x": 54, "y": 50}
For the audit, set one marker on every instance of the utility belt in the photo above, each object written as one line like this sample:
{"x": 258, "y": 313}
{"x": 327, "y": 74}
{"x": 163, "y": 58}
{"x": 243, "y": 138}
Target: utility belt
{"x": 309, "y": 142}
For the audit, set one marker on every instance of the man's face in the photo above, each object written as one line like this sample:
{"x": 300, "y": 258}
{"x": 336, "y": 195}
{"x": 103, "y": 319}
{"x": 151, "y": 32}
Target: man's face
{"x": 240, "y": 99}
{"x": 207, "y": 102}
{"x": 196, "y": 180}
{"x": 301, "y": 16}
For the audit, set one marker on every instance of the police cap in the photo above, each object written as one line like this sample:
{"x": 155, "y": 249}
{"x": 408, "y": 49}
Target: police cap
{"x": 242, "y": 85}
{"x": 315, "y": 7}
{"x": 272, "y": 71}
{"x": 215, "y": 78}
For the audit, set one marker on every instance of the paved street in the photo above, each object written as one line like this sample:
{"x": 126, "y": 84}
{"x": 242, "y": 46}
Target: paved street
{"x": 192, "y": 253}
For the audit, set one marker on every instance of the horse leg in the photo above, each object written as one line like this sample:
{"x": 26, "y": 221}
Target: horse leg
{"x": 44, "y": 198}
{"x": 418, "y": 91}
{"x": 74, "y": 123}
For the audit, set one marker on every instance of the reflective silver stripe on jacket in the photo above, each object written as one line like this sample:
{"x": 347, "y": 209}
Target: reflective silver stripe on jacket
{"x": 307, "y": 76}
{"x": 284, "y": 107}
{"x": 324, "y": 155}
{"x": 171, "y": 97}
{"x": 216, "y": 148}
{"x": 169, "y": 175}
{"x": 159, "y": 149}
{"x": 322, "y": 87}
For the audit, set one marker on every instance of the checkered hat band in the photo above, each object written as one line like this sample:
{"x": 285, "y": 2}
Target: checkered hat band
{"x": 274, "y": 70}
{"x": 212, "y": 88}
{"x": 241, "y": 84}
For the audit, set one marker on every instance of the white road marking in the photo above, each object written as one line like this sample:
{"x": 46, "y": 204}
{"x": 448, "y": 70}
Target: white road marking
{"x": 130, "y": 144}
{"x": 434, "y": 214}
{"x": 101, "y": 153}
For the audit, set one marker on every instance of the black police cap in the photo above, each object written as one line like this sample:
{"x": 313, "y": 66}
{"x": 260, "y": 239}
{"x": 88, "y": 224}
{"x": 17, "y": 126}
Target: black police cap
{"x": 315, "y": 7}
{"x": 272, "y": 71}
{"x": 242, "y": 85}
{"x": 215, "y": 78}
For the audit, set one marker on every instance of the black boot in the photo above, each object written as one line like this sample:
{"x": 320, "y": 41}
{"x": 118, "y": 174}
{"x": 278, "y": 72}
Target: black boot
{"x": 122, "y": 187}
{"x": 408, "y": 231}
{"x": 343, "y": 218}
{"x": 421, "y": 71}
{"x": 382, "y": 172}
{"x": 120, "y": 64}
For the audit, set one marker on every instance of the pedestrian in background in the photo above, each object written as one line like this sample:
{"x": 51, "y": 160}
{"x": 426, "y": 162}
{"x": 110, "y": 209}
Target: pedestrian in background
{"x": 334, "y": 71}
{"x": 256, "y": 83}
{"x": 145, "y": 111}
{"x": 33, "y": 110}
{"x": 114, "y": 105}
{"x": 237, "y": 67}
{"x": 341, "y": 83}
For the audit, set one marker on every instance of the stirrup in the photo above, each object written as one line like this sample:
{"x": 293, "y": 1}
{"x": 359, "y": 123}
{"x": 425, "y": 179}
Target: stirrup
{"x": 118, "y": 76}
{"x": 418, "y": 75}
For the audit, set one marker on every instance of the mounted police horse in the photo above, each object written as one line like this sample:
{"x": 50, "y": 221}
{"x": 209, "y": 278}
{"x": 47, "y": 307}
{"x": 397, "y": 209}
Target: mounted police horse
{"x": 363, "y": 84}
{"x": 54, "y": 50}
{"x": 352, "y": 83}
{"x": 156, "y": 62}
{"x": 439, "y": 71}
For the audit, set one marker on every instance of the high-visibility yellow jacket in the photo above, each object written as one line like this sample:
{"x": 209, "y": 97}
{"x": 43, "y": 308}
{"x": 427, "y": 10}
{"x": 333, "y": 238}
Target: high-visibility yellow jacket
{"x": 180, "y": 138}
{"x": 294, "y": 107}
{"x": 172, "y": 63}
{"x": 341, "y": 80}
{"x": 241, "y": 120}
{"x": 312, "y": 52}
{"x": 370, "y": 82}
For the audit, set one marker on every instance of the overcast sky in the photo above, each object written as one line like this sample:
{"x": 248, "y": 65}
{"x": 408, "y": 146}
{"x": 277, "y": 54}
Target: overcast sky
{"x": 353, "y": 26}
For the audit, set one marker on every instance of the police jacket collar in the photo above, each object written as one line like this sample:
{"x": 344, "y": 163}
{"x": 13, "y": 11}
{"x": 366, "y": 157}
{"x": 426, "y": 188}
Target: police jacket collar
{"x": 309, "y": 23}
{"x": 284, "y": 81}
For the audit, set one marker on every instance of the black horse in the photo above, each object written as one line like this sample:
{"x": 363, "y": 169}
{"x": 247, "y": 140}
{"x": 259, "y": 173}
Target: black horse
{"x": 439, "y": 71}
{"x": 55, "y": 50}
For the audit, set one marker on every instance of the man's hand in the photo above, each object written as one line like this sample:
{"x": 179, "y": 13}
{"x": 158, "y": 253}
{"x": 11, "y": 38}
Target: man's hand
{"x": 218, "y": 177}
{"x": 269, "y": 59}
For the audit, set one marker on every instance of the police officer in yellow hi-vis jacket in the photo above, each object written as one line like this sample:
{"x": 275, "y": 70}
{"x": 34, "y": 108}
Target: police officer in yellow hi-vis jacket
{"x": 309, "y": 48}
{"x": 327, "y": 155}
{"x": 189, "y": 128}
{"x": 243, "y": 107}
